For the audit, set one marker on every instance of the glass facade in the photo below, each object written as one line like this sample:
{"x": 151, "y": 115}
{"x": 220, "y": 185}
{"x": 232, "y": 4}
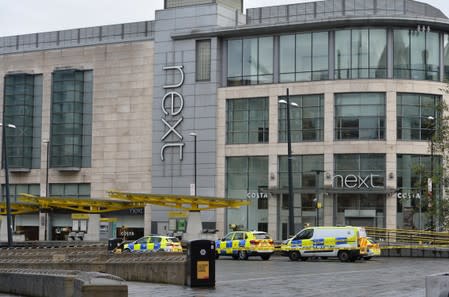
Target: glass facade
{"x": 416, "y": 116}
{"x": 247, "y": 121}
{"x": 413, "y": 172}
{"x": 304, "y": 57}
{"x": 360, "y": 116}
{"x": 250, "y": 61}
{"x": 22, "y": 105}
{"x": 360, "y": 53}
{"x": 359, "y": 182}
{"x": 416, "y": 55}
{"x": 247, "y": 177}
{"x": 71, "y": 118}
{"x": 306, "y": 120}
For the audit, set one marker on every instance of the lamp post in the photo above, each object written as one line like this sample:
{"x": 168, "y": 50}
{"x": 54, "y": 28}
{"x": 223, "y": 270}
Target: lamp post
{"x": 317, "y": 194}
{"x": 291, "y": 222}
{"x": 194, "y": 135}
{"x": 47, "y": 146}
{"x": 47, "y": 167}
{"x": 5, "y": 164}
{"x": 430, "y": 184}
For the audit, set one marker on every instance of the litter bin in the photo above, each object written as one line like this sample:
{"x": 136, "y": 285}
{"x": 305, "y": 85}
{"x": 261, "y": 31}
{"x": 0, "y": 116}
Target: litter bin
{"x": 113, "y": 243}
{"x": 200, "y": 270}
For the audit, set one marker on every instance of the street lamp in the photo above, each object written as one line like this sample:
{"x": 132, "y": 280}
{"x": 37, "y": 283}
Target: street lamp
{"x": 430, "y": 184}
{"x": 47, "y": 167}
{"x": 194, "y": 135}
{"x": 47, "y": 146}
{"x": 291, "y": 222}
{"x": 5, "y": 164}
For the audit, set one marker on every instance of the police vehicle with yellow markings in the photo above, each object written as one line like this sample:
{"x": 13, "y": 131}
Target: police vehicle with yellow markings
{"x": 243, "y": 244}
{"x": 347, "y": 243}
{"x": 154, "y": 243}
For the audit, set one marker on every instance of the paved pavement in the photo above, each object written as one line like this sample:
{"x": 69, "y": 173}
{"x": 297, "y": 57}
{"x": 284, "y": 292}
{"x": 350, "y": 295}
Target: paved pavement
{"x": 380, "y": 277}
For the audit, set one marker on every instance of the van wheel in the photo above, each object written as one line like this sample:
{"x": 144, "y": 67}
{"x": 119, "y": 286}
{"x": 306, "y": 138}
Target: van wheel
{"x": 367, "y": 258}
{"x": 294, "y": 256}
{"x": 265, "y": 257}
{"x": 343, "y": 256}
{"x": 235, "y": 256}
{"x": 243, "y": 255}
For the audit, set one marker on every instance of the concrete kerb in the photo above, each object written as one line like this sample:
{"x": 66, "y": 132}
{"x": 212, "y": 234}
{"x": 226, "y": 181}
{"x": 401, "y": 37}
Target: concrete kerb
{"x": 61, "y": 283}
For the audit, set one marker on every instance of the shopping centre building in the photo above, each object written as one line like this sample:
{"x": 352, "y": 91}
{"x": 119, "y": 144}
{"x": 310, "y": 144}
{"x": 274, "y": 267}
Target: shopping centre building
{"x": 113, "y": 107}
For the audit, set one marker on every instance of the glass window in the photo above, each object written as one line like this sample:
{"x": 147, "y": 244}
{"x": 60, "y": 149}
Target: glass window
{"x": 304, "y": 57}
{"x": 70, "y": 190}
{"x": 203, "y": 60}
{"x": 247, "y": 121}
{"x": 306, "y": 120}
{"x": 244, "y": 177}
{"x": 416, "y": 116}
{"x": 360, "y": 53}
{"x": 416, "y": 55}
{"x": 20, "y": 93}
{"x": 71, "y": 95}
{"x": 413, "y": 172}
{"x": 366, "y": 171}
{"x": 262, "y": 203}
{"x": 15, "y": 190}
{"x": 446, "y": 57}
{"x": 360, "y": 116}
{"x": 303, "y": 170}
{"x": 250, "y": 61}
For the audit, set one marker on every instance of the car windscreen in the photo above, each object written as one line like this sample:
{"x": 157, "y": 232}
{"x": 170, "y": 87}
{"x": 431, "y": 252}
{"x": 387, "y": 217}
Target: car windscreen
{"x": 172, "y": 239}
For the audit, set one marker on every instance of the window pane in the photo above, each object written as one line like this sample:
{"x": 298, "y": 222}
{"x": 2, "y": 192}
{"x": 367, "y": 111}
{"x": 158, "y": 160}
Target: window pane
{"x": 203, "y": 60}
{"x": 360, "y": 116}
{"x": 247, "y": 121}
{"x": 287, "y": 57}
{"x": 342, "y": 53}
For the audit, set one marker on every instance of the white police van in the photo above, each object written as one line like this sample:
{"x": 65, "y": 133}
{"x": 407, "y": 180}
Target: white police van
{"x": 347, "y": 243}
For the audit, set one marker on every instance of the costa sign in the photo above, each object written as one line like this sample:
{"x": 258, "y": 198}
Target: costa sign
{"x": 172, "y": 105}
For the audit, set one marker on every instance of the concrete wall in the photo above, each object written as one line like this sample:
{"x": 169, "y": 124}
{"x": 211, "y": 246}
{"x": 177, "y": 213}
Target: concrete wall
{"x": 45, "y": 283}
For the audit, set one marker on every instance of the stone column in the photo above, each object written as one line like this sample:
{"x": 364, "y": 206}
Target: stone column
{"x": 93, "y": 228}
{"x": 3, "y": 229}
{"x": 44, "y": 226}
{"x": 147, "y": 220}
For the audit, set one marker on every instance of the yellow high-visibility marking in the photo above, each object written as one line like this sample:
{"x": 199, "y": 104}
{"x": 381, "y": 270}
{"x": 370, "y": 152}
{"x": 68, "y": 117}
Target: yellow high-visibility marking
{"x": 189, "y": 203}
{"x": 78, "y": 204}
{"x": 18, "y": 208}
{"x": 121, "y": 201}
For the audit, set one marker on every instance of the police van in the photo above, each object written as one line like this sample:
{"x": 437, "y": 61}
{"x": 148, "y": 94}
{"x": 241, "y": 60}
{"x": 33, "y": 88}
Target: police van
{"x": 347, "y": 243}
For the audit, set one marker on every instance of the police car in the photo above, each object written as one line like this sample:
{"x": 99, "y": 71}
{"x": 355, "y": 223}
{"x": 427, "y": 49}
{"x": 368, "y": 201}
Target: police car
{"x": 243, "y": 244}
{"x": 154, "y": 243}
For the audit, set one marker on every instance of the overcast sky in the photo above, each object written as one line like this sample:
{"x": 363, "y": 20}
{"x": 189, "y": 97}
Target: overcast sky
{"x": 31, "y": 16}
